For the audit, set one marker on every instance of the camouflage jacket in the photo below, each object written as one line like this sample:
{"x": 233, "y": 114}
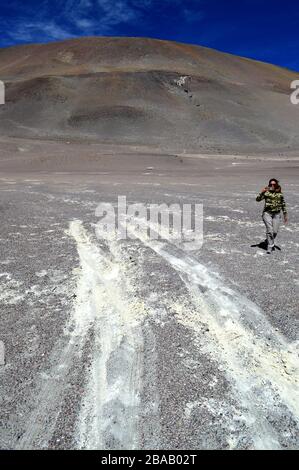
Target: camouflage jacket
{"x": 274, "y": 202}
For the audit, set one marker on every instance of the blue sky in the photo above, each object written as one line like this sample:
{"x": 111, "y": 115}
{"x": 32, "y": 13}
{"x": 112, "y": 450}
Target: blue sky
{"x": 266, "y": 30}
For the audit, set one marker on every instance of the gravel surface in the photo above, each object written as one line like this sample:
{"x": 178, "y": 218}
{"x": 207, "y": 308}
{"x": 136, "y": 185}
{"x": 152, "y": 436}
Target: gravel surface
{"x": 137, "y": 343}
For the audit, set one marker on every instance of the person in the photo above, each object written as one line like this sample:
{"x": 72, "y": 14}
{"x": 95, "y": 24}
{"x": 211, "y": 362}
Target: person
{"x": 274, "y": 204}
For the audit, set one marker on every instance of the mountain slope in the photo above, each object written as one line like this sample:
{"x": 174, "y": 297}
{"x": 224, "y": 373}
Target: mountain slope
{"x": 147, "y": 91}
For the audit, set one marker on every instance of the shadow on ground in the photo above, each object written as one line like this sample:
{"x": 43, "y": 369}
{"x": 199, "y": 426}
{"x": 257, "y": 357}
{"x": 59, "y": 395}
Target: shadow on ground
{"x": 263, "y": 246}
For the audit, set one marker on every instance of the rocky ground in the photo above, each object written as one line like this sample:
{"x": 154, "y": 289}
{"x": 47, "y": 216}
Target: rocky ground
{"x": 141, "y": 343}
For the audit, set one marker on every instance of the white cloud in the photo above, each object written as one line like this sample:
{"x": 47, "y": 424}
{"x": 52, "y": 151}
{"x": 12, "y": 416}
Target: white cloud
{"x": 85, "y": 24}
{"x": 99, "y": 17}
{"x": 117, "y": 12}
{"x": 38, "y": 31}
{"x": 79, "y": 17}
